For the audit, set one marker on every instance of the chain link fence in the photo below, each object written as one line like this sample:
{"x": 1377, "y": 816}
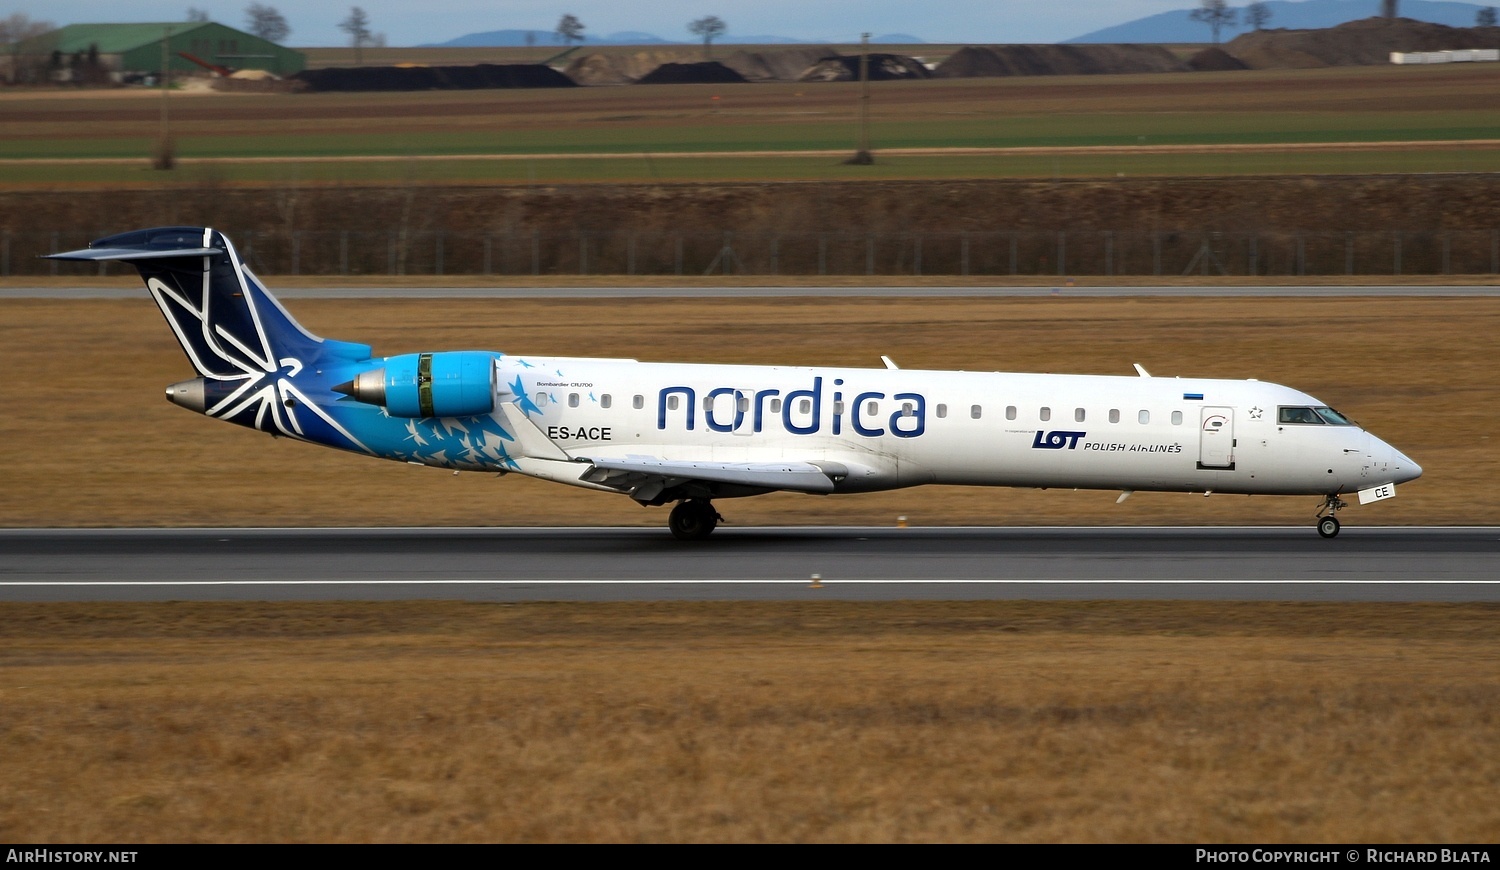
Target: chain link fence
{"x": 1106, "y": 253}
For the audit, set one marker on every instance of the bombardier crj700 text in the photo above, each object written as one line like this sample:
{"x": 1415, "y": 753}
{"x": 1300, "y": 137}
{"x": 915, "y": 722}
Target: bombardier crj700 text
{"x": 688, "y": 434}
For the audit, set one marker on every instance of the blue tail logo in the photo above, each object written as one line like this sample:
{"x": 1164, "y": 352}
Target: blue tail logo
{"x": 248, "y": 350}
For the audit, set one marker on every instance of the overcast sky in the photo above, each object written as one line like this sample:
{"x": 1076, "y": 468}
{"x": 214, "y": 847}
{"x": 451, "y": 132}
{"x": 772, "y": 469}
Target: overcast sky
{"x": 413, "y": 22}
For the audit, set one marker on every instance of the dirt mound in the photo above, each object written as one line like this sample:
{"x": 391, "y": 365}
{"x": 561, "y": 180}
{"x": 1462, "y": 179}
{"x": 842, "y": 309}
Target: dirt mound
{"x": 786, "y": 65}
{"x": 434, "y": 78}
{"x": 1363, "y": 42}
{"x": 602, "y": 68}
{"x": 708, "y": 72}
{"x": 1056, "y": 60}
{"x": 1214, "y": 60}
{"x": 882, "y": 68}
{"x": 259, "y": 85}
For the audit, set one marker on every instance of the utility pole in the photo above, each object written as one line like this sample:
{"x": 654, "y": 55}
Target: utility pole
{"x": 863, "y": 157}
{"x": 164, "y": 158}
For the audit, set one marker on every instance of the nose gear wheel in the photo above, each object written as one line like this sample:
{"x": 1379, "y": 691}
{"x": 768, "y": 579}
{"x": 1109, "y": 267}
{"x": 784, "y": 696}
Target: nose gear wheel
{"x": 1328, "y": 526}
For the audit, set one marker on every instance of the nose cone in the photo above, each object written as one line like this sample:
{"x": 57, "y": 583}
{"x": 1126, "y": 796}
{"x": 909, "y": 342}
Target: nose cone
{"x": 1405, "y": 468}
{"x": 1398, "y": 466}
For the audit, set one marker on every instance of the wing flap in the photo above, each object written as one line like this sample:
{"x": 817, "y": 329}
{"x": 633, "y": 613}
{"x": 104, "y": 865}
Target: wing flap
{"x": 795, "y": 476}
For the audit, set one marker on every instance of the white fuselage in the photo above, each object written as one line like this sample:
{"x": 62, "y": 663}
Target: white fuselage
{"x": 894, "y": 428}
{"x": 688, "y": 434}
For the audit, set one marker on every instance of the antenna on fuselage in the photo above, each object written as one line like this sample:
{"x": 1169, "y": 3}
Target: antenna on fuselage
{"x": 1141, "y": 370}
{"x": 888, "y": 364}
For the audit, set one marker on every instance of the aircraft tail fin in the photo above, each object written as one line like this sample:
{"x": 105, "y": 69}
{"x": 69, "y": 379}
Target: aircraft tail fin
{"x": 229, "y": 325}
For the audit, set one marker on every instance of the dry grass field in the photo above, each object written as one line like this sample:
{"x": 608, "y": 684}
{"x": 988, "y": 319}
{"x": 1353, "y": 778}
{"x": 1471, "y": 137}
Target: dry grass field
{"x": 1362, "y": 106}
{"x": 800, "y": 722}
{"x": 88, "y": 439}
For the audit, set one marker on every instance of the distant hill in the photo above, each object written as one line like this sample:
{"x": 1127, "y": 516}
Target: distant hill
{"x": 514, "y": 38}
{"x": 1305, "y": 15}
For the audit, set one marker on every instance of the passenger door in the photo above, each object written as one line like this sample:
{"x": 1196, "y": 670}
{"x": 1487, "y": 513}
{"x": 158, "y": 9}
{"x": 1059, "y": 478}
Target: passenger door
{"x": 1216, "y": 438}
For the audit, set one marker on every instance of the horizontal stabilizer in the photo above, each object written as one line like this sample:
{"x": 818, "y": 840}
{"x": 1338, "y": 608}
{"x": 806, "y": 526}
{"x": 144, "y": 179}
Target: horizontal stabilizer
{"x": 795, "y": 476}
{"x": 160, "y": 243}
{"x": 141, "y": 253}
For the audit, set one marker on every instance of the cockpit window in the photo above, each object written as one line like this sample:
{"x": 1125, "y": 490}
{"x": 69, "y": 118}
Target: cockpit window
{"x": 1297, "y": 415}
{"x": 1333, "y": 417}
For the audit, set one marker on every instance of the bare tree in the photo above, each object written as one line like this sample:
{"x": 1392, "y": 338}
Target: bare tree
{"x": 709, "y": 27}
{"x": 1257, "y": 15}
{"x": 357, "y": 25}
{"x": 16, "y": 29}
{"x": 569, "y": 29}
{"x": 19, "y": 26}
{"x": 196, "y": 15}
{"x": 266, "y": 22}
{"x": 1485, "y": 17}
{"x": 1217, "y": 14}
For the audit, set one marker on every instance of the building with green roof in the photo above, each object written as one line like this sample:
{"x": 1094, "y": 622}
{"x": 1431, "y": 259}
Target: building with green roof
{"x": 125, "y": 49}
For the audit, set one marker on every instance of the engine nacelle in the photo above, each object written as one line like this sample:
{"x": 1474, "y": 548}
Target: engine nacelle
{"x": 451, "y": 384}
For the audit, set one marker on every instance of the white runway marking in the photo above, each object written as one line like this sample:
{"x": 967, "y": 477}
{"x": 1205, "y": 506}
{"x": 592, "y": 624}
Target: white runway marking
{"x": 825, "y": 581}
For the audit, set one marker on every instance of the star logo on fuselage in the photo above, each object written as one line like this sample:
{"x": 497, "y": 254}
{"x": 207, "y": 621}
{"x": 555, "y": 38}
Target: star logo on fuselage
{"x": 1255, "y": 413}
{"x": 523, "y": 401}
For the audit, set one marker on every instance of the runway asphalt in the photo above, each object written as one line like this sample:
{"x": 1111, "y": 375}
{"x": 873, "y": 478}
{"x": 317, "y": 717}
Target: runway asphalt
{"x": 851, "y": 563}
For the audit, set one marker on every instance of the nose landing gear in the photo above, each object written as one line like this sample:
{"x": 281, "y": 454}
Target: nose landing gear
{"x": 1328, "y": 526}
{"x": 693, "y": 519}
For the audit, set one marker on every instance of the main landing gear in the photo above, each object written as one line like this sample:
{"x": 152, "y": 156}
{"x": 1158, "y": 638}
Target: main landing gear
{"x": 693, "y": 519}
{"x": 1328, "y": 526}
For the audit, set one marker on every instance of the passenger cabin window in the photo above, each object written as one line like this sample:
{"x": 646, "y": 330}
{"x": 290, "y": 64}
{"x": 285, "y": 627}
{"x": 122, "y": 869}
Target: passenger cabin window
{"x": 638, "y": 402}
{"x": 1010, "y": 412}
{"x": 1176, "y": 418}
{"x": 908, "y": 409}
{"x": 775, "y": 406}
{"x": 672, "y": 402}
{"x": 975, "y": 411}
{"x": 1046, "y": 414}
{"x": 942, "y": 410}
{"x": 1298, "y": 415}
{"x": 1114, "y": 415}
{"x": 572, "y": 400}
{"x": 804, "y": 406}
{"x": 1144, "y": 417}
{"x": 541, "y": 400}
{"x": 605, "y": 401}
{"x": 872, "y": 408}
{"x": 1077, "y": 415}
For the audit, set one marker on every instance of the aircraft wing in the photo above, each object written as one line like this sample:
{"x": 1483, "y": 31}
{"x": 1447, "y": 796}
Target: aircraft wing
{"x": 644, "y": 473}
